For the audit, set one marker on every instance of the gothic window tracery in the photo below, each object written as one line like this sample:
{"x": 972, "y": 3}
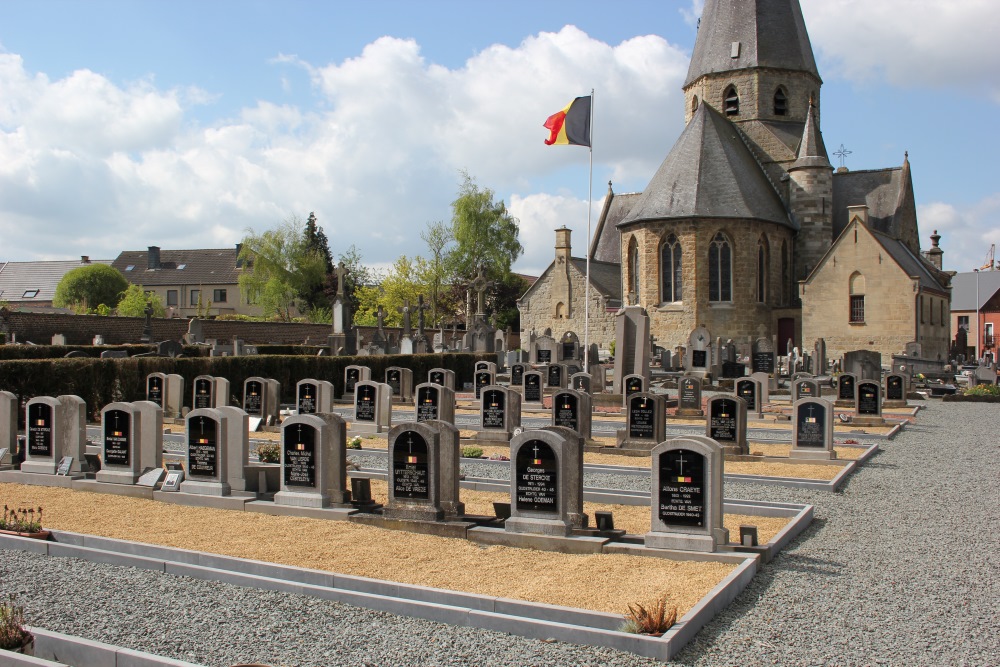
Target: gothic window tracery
{"x": 670, "y": 270}
{"x": 720, "y": 269}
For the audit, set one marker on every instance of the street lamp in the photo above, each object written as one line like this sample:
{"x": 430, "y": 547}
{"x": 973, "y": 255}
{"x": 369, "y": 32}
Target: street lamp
{"x": 978, "y": 333}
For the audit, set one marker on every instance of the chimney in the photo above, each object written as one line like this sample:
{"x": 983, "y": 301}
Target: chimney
{"x": 934, "y": 254}
{"x": 563, "y": 245}
{"x": 153, "y": 257}
{"x": 860, "y": 212}
{"x": 239, "y": 248}
{"x": 84, "y": 259}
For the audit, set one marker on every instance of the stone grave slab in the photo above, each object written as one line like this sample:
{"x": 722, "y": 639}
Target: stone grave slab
{"x": 352, "y": 375}
{"x": 372, "y": 407}
{"x": 812, "y": 429}
{"x": 313, "y": 461}
{"x": 313, "y": 397}
{"x": 546, "y": 482}
{"x": 689, "y": 397}
{"x": 847, "y": 390}
{"x": 572, "y": 409}
{"x": 645, "y": 422}
{"x": 532, "y": 388}
{"x": 499, "y": 414}
{"x": 727, "y": 424}
{"x": 868, "y": 410}
{"x": 400, "y": 381}
{"x": 121, "y": 428}
{"x": 442, "y": 376}
{"x": 434, "y": 401}
{"x": 206, "y": 470}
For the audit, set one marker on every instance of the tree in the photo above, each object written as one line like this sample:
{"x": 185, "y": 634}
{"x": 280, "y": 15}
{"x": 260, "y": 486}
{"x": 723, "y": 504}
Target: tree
{"x": 358, "y": 276}
{"x": 434, "y": 272}
{"x": 134, "y": 301}
{"x": 316, "y": 242}
{"x": 280, "y": 269}
{"x": 87, "y": 287}
{"x": 485, "y": 233}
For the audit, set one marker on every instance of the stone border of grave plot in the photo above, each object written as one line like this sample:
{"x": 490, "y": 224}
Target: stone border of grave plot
{"x": 56, "y": 648}
{"x": 526, "y": 619}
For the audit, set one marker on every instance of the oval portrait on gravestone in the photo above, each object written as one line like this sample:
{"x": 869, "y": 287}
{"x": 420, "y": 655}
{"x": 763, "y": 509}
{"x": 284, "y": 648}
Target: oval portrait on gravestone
{"x": 299, "y": 455}
{"x": 537, "y": 478}
{"x": 409, "y": 467}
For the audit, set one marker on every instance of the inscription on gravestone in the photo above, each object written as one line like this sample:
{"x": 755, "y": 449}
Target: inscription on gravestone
{"x": 690, "y": 394}
{"x": 116, "y": 438}
{"x": 544, "y": 356}
{"x": 154, "y": 390}
{"x": 203, "y": 448}
{"x": 202, "y": 393}
{"x": 533, "y": 387}
{"x": 747, "y": 390}
{"x": 763, "y": 362}
{"x": 845, "y": 387}
{"x": 517, "y": 374}
{"x": 409, "y": 467}
{"x": 40, "y": 429}
{"x": 483, "y": 379}
{"x": 682, "y": 488}
{"x": 633, "y": 385}
{"x": 699, "y": 358}
{"x": 555, "y": 376}
{"x": 436, "y": 377}
{"x": 723, "y": 420}
{"x": 806, "y": 390}
{"x": 894, "y": 388}
{"x": 364, "y": 404}
{"x": 428, "y": 399}
{"x": 394, "y": 378}
{"x": 868, "y": 399}
{"x": 567, "y": 412}
{"x": 811, "y": 426}
{"x": 537, "y": 478}
{"x": 252, "y": 400}
{"x": 307, "y": 398}
{"x": 352, "y": 377}
{"x": 300, "y": 455}
{"x": 641, "y": 413}
{"x": 493, "y": 409}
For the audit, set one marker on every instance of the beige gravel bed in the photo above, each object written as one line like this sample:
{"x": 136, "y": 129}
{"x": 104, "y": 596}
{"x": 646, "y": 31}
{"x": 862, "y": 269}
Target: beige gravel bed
{"x": 600, "y": 582}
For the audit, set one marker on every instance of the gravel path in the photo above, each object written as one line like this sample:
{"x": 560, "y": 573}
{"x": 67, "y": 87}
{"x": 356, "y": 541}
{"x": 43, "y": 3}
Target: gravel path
{"x": 899, "y": 568}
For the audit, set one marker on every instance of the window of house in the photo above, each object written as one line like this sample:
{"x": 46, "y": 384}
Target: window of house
{"x": 761, "y": 272}
{"x": 780, "y": 103}
{"x": 195, "y": 296}
{"x": 670, "y": 270}
{"x": 857, "y": 308}
{"x": 29, "y": 294}
{"x": 694, "y": 104}
{"x": 731, "y": 101}
{"x": 720, "y": 269}
{"x": 219, "y": 296}
{"x": 171, "y": 297}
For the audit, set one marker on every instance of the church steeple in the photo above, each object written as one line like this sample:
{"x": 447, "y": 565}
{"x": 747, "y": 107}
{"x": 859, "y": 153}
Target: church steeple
{"x": 812, "y": 151}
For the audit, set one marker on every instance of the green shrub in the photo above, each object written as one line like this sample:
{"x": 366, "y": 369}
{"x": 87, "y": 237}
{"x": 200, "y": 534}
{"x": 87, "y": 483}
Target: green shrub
{"x": 13, "y": 634}
{"x": 472, "y": 452}
{"x": 354, "y": 443}
{"x": 983, "y": 390}
{"x": 269, "y": 452}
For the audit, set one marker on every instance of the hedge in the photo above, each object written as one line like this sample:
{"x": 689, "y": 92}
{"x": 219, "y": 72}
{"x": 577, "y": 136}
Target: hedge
{"x": 103, "y": 381}
{"x": 13, "y": 352}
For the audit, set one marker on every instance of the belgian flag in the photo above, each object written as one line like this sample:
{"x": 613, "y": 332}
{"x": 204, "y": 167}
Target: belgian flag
{"x": 571, "y": 125}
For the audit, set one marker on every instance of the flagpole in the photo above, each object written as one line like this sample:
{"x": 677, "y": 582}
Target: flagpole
{"x": 590, "y": 208}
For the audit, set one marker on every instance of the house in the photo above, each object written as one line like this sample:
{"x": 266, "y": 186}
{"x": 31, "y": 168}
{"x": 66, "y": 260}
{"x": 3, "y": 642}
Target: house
{"x": 32, "y": 285}
{"x": 976, "y": 298}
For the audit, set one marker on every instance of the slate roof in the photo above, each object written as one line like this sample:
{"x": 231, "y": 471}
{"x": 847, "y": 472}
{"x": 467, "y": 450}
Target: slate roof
{"x": 180, "y": 267}
{"x": 913, "y": 265}
{"x": 605, "y": 276}
{"x": 887, "y": 193}
{"x": 812, "y": 150}
{"x": 20, "y": 278}
{"x": 607, "y": 242}
{"x": 963, "y": 289}
{"x": 709, "y": 173}
{"x": 771, "y": 33}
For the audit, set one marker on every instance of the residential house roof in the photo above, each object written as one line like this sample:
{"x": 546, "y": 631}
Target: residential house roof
{"x": 35, "y": 282}
{"x": 155, "y": 267}
{"x": 963, "y": 290}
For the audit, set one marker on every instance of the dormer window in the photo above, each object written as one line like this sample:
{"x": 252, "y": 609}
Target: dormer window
{"x": 780, "y": 103}
{"x": 731, "y": 101}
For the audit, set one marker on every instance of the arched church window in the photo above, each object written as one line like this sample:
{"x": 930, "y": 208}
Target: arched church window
{"x": 731, "y": 101}
{"x": 633, "y": 267}
{"x": 762, "y": 271}
{"x": 786, "y": 278}
{"x": 720, "y": 269}
{"x": 694, "y": 103}
{"x": 670, "y": 270}
{"x": 780, "y": 102}
{"x": 857, "y": 285}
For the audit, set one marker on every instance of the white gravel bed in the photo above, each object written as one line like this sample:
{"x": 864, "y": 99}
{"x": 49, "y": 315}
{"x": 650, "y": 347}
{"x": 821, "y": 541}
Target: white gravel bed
{"x": 899, "y": 568}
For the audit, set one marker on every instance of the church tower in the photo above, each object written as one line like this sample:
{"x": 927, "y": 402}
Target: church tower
{"x": 810, "y": 195}
{"x": 753, "y": 62}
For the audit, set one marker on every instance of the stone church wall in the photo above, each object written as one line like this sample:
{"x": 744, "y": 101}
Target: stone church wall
{"x": 538, "y": 311}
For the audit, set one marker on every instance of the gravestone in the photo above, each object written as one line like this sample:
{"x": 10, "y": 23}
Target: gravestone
{"x": 8, "y": 422}
{"x": 352, "y": 376}
{"x": 572, "y": 409}
{"x": 483, "y": 378}
{"x": 544, "y": 350}
{"x": 687, "y": 505}
{"x": 434, "y": 402}
{"x": 632, "y": 349}
{"x": 805, "y": 388}
{"x": 819, "y": 357}
{"x": 689, "y": 398}
{"x": 400, "y": 381}
{"x": 262, "y": 399}
{"x": 766, "y": 385}
{"x": 150, "y": 435}
{"x": 114, "y": 354}
{"x": 486, "y": 366}
{"x": 847, "y": 390}
{"x": 727, "y": 424}
{"x": 313, "y": 397}
{"x": 372, "y": 407}
{"x": 533, "y": 387}
{"x": 517, "y": 374}
{"x": 237, "y": 447}
{"x": 167, "y": 391}
{"x": 645, "y": 422}
{"x": 207, "y": 471}
{"x": 666, "y": 360}
{"x": 750, "y": 389}
{"x": 699, "y": 353}
{"x": 443, "y": 377}
{"x": 582, "y": 382}
{"x": 415, "y": 473}
{"x": 895, "y": 391}
{"x": 866, "y": 364}
{"x": 555, "y": 376}
{"x": 762, "y": 360}
{"x": 868, "y": 410}
{"x": 499, "y": 414}
{"x": 121, "y": 428}
{"x": 812, "y": 429}
{"x": 209, "y": 392}
{"x": 546, "y": 482}
{"x": 632, "y": 384}
{"x": 55, "y": 429}
{"x": 313, "y": 461}
{"x": 569, "y": 347}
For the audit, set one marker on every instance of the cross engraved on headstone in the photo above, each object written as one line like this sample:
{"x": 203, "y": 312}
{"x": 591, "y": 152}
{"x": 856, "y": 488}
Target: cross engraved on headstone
{"x": 680, "y": 460}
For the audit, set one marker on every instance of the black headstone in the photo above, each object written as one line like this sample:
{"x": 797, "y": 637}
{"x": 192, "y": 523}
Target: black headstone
{"x": 533, "y": 387}
{"x": 699, "y": 358}
{"x": 689, "y": 394}
{"x": 633, "y": 385}
{"x": 845, "y": 387}
{"x": 436, "y": 377}
{"x": 117, "y": 437}
{"x": 154, "y": 390}
{"x": 364, "y": 403}
{"x": 494, "y": 405}
{"x": 537, "y": 478}
{"x": 483, "y": 379}
{"x": 555, "y": 376}
{"x": 410, "y": 478}
{"x": 763, "y": 362}
{"x": 566, "y": 411}
{"x": 203, "y": 447}
{"x": 517, "y": 375}
{"x": 300, "y": 455}
{"x": 202, "y": 393}
{"x": 811, "y": 426}
{"x": 569, "y": 350}
{"x": 40, "y": 429}
{"x": 394, "y": 378}
{"x": 352, "y": 376}
{"x": 428, "y": 403}
{"x": 868, "y": 399}
{"x": 641, "y": 417}
{"x": 747, "y": 390}
{"x": 253, "y": 398}
{"x": 722, "y": 425}
{"x": 682, "y": 488}
{"x": 544, "y": 356}
{"x": 894, "y": 388}
{"x": 306, "y": 400}
{"x": 731, "y": 369}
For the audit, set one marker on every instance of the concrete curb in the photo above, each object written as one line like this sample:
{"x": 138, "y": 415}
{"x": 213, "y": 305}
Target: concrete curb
{"x": 55, "y": 648}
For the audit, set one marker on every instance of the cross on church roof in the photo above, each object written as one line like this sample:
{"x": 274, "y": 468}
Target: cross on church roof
{"x": 842, "y": 153}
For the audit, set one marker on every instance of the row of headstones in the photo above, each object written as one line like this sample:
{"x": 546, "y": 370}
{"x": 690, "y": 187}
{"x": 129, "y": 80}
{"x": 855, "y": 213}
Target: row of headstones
{"x": 261, "y": 396}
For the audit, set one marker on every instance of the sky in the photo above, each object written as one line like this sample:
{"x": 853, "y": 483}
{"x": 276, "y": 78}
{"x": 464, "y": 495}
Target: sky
{"x": 183, "y": 124}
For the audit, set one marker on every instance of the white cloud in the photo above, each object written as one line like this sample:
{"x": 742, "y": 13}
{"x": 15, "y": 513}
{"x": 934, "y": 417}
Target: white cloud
{"x": 540, "y": 215}
{"x": 967, "y": 231}
{"x": 909, "y": 43}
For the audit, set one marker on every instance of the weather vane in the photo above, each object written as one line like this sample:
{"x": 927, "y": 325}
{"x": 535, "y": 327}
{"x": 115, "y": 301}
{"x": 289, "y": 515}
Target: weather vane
{"x": 842, "y": 153}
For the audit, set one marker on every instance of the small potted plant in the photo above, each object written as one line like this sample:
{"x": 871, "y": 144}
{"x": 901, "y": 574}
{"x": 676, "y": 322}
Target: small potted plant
{"x": 653, "y": 620}
{"x": 268, "y": 452}
{"x": 13, "y": 635}
{"x": 24, "y": 522}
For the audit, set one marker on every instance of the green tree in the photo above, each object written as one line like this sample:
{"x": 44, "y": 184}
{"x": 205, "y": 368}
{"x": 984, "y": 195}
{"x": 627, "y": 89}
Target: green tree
{"x": 134, "y": 301}
{"x": 485, "y": 233}
{"x": 434, "y": 271}
{"x": 317, "y": 296}
{"x": 87, "y": 287}
{"x": 280, "y": 269}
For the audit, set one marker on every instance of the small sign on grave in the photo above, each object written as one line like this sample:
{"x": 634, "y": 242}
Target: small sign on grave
{"x": 65, "y": 463}
{"x": 172, "y": 482}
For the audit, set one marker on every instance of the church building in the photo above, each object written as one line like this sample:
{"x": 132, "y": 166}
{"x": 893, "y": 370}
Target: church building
{"x": 746, "y": 228}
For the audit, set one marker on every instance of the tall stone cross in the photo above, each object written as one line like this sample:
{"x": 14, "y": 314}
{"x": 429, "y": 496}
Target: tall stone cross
{"x": 421, "y": 307}
{"x": 341, "y": 279}
{"x": 406, "y": 309}
{"x": 147, "y": 327}
{"x": 380, "y": 315}
{"x": 481, "y": 284}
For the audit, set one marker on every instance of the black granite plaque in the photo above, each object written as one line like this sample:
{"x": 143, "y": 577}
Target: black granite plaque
{"x": 811, "y": 425}
{"x": 806, "y": 390}
{"x": 868, "y": 399}
{"x": 582, "y": 383}
{"x": 300, "y": 455}
{"x": 253, "y": 398}
{"x": 747, "y": 390}
{"x": 641, "y": 417}
{"x": 537, "y": 478}
{"x": 544, "y": 356}
{"x": 894, "y": 388}
{"x": 763, "y": 362}
{"x": 40, "y": 429}
{"x": 364, "y": 403}
{"x": 394, "y": 379}
{"x": 436, "y": 377}
{"x": 428, "y": 401}
{"x": 569, "y": 350}
{"x": 202, "y": 393}
{"x": 682, "y": 488}
{"x": 699, "y": 358}
{"x": 203, "y": 447}
{"x": 533, "y": 387}
{"x": 117, "y": 438}
{"x": 410, "y": 477}
{"x": 555, "y": 375}
{"x": 731, "y": 369}
{"x": 690, "y": 394}
{"x": 154, "y": 390}
{"x": 351, "y": 377}
{"x": 517, "y": 375}
{"x": 493, "y": 408}
{"x": 483, "y": 379}
{"x": 722, "y": 424}
{"x": 633, "y": 385}
{"x": 307, "y": 398}
{"x": 566, "y": 411}
{"x": 845, "y": 387}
